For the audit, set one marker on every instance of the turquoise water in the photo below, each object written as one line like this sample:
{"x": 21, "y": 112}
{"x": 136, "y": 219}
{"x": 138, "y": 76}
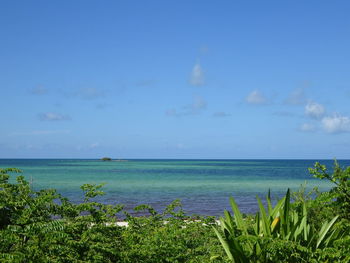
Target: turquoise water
{"x": 203, "y": 186}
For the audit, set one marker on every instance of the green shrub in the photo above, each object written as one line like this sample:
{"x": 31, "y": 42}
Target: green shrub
{"x": 306, "y": 231}
{"x": 281, "y": 225}
{"x": 341, "y": 190}
{"x": 42, "y": 226}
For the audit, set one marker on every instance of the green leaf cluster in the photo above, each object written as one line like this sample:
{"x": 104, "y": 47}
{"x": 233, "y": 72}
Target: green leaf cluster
{"x": 43, "y": 226}
{"x": 340, "y": 178}
{"x": 308, "y": 230}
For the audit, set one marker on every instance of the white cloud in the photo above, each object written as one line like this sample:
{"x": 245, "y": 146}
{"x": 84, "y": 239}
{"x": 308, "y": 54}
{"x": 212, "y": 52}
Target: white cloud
{"x": 256, "y": 97}
{"x": 314, "y": 110}
{"x": 307, "y": 127}
{"x": 197, "y": 75}
{"x": 50, "y": 116}
{"x": 336, "y": 124}
{"x": 297, "y": 97}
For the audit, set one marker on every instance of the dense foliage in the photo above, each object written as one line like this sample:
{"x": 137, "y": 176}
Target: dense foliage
{"x": 307, "y": 230}
{"x": 43, "y": 226}
{"x": 339, "y": 196}
{"x": 277, "y": 235}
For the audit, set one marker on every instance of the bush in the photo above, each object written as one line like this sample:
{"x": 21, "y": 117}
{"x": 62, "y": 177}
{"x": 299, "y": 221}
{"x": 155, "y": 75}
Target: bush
{"x": 308, "y": 230}
{"x": 277, "y": 234}
{"x": 42, "y": 226}
{"x": 341, "y": 190}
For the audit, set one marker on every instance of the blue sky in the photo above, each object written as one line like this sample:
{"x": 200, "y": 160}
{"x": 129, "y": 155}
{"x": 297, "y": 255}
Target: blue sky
{"x": 175, "y": 79}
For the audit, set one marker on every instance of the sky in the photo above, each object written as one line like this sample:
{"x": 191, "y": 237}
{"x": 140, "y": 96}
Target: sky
{"x": 175, "y": 79}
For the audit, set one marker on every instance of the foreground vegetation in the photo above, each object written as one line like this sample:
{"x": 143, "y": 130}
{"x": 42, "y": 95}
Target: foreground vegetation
{"x": 43, "y": 226}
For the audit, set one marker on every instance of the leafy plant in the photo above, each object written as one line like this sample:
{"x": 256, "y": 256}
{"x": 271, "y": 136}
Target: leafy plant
{"x": 279, "y": 222}
{"x": 341, "y": 192}
{"x": 42, "y": 226}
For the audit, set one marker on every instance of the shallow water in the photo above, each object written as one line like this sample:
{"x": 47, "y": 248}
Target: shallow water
{"x": 203, "y": 186}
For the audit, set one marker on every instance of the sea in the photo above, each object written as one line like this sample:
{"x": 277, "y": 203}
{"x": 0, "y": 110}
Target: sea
{"x": 202, "y": 186}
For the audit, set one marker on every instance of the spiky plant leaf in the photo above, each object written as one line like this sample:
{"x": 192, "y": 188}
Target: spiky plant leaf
{"x": 238, "y": 216}
{"x": 325, "y": 230}
{"x": 264, "y": 218}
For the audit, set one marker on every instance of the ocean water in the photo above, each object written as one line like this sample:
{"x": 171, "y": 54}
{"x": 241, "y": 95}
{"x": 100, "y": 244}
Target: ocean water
{"x": 203, "y": 186}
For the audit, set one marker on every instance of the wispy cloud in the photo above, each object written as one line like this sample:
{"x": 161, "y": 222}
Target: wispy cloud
{"x": 314, "y": 110}
{"x": 197, "y": 75}
{"x": 51, "y": 116}
{"x": 196, "y": 107}
{"x": 257, "y": 98}
{"x": 336, "y": 124}
{"x": 307, "y": 127}
{"x": 297, "y": 97}
{"x": 40, "y": 132}
{"x": 39, "y": 90}
{"x": 221, "y": 114}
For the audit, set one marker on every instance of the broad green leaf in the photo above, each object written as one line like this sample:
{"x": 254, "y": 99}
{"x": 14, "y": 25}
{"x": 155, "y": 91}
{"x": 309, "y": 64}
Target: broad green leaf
{"x": 224, "y": 244}
{"x": 257, "y": 224}
{"x": 238, "y": 216}
{"x": 276, "y": 209}
{"x": 264, "y": 218}
{"x": 324, "y": 230}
